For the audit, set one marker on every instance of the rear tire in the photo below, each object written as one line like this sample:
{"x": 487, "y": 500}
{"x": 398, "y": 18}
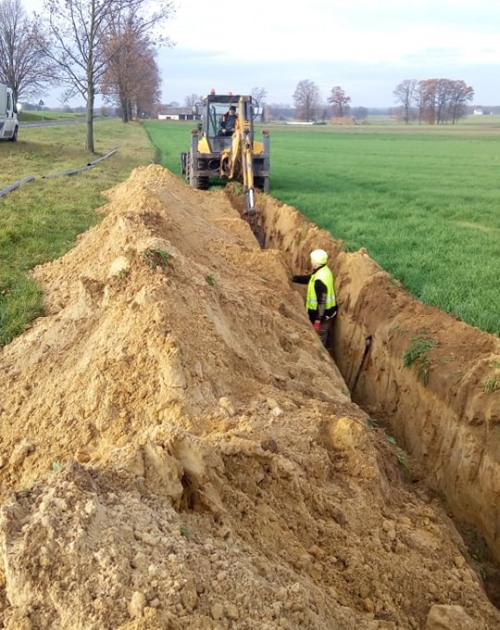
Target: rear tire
{"x": 184, "y": 159}
{"x": 262, "y": 183}
{"x": 193, "y": 181}
{"x": 13, "y": 138}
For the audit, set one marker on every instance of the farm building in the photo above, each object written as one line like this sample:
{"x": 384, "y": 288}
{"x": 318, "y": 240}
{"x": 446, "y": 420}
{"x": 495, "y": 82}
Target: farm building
{"x": 177, "y": 113}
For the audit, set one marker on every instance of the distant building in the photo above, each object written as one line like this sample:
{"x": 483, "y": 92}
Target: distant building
{"x": 177, "y": 113}
{"x": 478, "y": 111}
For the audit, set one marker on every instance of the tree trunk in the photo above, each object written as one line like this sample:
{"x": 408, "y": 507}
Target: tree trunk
{"x": 124, "y": 109}
{"x": 89, "y": 142}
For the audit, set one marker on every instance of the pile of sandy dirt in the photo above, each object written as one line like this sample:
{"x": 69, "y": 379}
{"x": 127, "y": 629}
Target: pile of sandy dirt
{"x": 178, "y": 451}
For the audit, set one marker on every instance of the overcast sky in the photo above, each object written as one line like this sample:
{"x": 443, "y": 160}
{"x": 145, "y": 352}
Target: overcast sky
{"x": 365, "y": 46}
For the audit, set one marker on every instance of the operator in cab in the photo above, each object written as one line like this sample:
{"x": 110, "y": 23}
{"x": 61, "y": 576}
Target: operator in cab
{"x": 228, "y": 122}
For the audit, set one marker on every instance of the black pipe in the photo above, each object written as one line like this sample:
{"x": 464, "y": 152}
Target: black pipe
{"x": 368, "y": 343}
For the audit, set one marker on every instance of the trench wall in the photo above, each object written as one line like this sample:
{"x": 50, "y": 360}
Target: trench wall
{"x": 450, "y": 424}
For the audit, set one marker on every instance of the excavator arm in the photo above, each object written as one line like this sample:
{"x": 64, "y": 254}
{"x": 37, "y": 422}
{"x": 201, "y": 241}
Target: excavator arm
{"x": 237, "y": 160}
{"x": 239, "y": 157}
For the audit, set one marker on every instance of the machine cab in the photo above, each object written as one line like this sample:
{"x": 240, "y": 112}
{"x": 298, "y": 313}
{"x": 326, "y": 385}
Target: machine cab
{"x": 215, "y": 106}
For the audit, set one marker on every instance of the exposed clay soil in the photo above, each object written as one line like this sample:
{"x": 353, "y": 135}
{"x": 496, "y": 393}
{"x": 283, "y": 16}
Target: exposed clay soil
{"x": 178, "y": 451}
{"x": 444, "y": 408}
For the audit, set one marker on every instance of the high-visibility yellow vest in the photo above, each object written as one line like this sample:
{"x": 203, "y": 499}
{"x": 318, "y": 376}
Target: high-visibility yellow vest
{"x": 325, "y": 275}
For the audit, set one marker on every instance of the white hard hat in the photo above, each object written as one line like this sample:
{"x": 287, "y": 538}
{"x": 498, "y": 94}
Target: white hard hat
{"x": 319, "y": 257}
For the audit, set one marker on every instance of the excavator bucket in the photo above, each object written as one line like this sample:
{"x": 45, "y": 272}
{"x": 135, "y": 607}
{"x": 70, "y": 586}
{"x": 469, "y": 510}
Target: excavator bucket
{"x": 253, "y": 217}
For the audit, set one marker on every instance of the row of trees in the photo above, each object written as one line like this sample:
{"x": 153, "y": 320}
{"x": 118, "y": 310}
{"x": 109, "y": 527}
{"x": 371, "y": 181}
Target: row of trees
{"x": 308, "y": 103}
{"x": 434, "y": 101}
{"x": 86, "y": 47}
{"x": 109, "y": 46}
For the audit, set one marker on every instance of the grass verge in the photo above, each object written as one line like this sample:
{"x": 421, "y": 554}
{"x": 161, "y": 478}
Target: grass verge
{"x": 40, "y": 220}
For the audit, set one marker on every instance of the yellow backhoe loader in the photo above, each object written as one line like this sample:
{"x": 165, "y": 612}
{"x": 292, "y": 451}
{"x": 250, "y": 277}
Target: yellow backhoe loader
{"x": 236, "y": 156}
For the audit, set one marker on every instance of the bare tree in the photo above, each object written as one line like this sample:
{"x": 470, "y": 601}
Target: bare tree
{"x": 132, "y": 73}
{"x": 360, "y": 112}
{"x": 148, "y": 92}
{"x": 24, "y": 64}
{"x": 452, "y": 97}
{"x": 426, "y": 100}
{"x": 79, "y": 29}
{"x": 131, "y": 78}
{"x": 192, "y": 100}
{"x": 405, "y": 95}
{"x": 306, "y": 98}
{"x": 442, "y": 100}
{"x": 339, "y": 101}
{"x": 259, "y": 95}
{"x": 461, "y": 94}
{"x": 82, "y": 30}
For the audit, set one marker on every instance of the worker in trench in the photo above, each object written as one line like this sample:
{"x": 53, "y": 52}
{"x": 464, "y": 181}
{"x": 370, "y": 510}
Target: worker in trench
{"x": 321, "y": 303}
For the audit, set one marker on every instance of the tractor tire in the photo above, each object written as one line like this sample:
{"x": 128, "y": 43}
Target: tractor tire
{"x": 192, "y": 179}
{"x": 262, "y": 183}
{"x": 195, "y": 181}
{"x": 184, "y": 159}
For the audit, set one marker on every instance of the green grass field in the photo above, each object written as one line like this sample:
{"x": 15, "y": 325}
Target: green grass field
{"x": 26, "y": 116}
{"x": 424, "y": 201}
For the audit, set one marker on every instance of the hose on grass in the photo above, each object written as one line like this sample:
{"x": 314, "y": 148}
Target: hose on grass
{"x": 73, "y": 171}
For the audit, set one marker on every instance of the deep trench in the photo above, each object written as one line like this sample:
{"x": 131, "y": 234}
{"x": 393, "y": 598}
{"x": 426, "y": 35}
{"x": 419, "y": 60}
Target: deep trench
{"x": 357, "y": 369}
{"x": 480, "y": 556}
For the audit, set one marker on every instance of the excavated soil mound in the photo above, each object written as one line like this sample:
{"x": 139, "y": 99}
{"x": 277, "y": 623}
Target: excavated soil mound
{"x": 178, "y": 451}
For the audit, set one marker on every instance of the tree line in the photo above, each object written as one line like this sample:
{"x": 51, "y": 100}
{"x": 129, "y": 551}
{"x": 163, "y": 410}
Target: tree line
{"x": 110, "y": 46}
{"x": 432, "y": 101}
{"x": 86, "y": 47}
{"x": 309, "y": 107}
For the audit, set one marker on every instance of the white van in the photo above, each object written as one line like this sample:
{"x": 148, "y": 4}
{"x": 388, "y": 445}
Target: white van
{"x": 8, "y": 114}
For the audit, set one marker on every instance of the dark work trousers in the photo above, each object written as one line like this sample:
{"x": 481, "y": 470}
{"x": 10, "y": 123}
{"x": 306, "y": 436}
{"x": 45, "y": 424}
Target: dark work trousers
{"x": 324, "y": 331}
